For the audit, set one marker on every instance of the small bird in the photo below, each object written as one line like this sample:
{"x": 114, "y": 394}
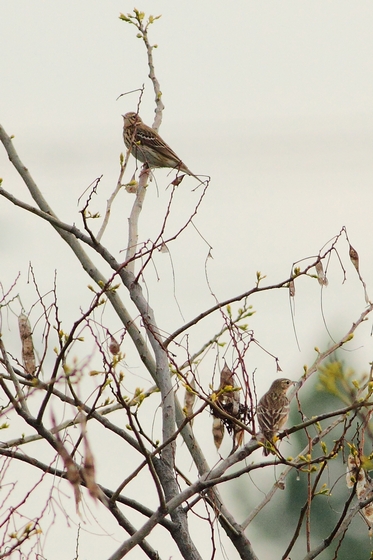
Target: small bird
{"x": 148, "y": 147}
{"x": 273, "y": 410}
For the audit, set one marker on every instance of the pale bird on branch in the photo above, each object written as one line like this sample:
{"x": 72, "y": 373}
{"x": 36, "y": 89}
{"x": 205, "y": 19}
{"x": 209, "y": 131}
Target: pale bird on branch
{"x": 148, "y": 147}
{"x": 273, "y": 410}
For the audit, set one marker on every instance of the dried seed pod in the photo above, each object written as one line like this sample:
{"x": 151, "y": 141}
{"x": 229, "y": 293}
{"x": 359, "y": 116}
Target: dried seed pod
{"x": 218, "y": 431}
{"x": 354, "y": 257}
{"x": 226, "y": 377}
{"x": 364, "y": 488}
{"x": 28, "y": 354}
{"x": 350, "y": 477}
{"x": 291, "y": 288}
{"x": 189, "y": 398}
{"x": 321, "y": 276}
{"x": 176, "y": 182}
{"x": 163, "y": 248}
{"x": 368, "y": 511}
{"x": 89, "y": 470}
{"x": 229, "y": 402}
{"x": 114, "y": 346}
{"x": 354, "y": 472}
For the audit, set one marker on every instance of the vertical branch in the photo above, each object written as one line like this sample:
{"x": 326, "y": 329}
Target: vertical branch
{"x": 162, "y": 375}
{"x": 137, "y": 20}
{"x": 110, "y": 201}
{"x": 157, "y": 88}
{"x": 133, "y": 233}
{"x": 163, "y": 378}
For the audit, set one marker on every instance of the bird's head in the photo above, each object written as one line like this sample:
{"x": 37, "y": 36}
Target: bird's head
{"x": 131, "y": 118}
{"x": 281, "y": 385}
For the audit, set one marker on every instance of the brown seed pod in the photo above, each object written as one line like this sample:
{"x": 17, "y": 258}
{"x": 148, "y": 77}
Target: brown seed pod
{"x": 218, "y": 431}
{"x": 28, "y": 354}
{"x": 321, "y": 276}
{"x": 114, "y": 346}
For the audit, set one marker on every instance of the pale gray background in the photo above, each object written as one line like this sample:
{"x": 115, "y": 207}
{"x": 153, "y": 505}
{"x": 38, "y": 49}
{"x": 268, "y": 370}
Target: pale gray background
{"x": 272, "y": 99}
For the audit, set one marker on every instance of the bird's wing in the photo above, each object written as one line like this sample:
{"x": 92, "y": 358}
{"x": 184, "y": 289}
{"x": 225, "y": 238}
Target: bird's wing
{"x": 272, "y": 414}
{"x": 148, "y": 137}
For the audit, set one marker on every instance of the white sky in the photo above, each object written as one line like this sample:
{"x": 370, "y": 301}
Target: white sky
{"x": 272, "y": 99}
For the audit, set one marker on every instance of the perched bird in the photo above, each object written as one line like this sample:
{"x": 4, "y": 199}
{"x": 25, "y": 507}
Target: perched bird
{"x": 148, "y": 147}
{"x": 273, "y": 410}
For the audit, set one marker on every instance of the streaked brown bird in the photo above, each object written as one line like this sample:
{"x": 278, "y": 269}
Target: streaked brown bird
{"x": 273, "y": 410}
{"x": 148, "y": 147}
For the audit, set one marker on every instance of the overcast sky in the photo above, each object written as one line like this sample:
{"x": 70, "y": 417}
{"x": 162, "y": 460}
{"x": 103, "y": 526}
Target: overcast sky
{"x": 273, "y": 100}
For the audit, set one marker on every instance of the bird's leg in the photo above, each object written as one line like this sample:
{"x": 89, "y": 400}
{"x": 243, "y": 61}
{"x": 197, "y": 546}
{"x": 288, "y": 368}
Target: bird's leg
{"x": 145, "y": 169}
